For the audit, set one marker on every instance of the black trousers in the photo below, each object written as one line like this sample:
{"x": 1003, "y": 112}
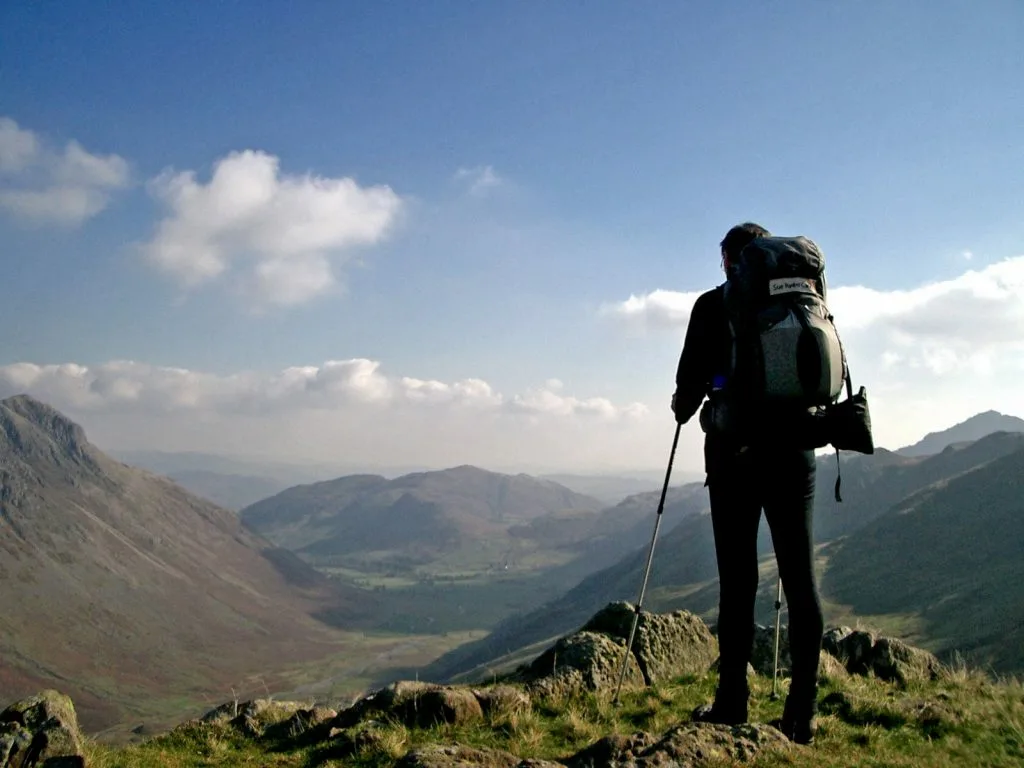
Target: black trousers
{"x": 781, "y": 482}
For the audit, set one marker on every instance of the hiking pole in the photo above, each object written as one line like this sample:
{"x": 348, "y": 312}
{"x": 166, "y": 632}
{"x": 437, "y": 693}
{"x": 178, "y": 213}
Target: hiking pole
{"x": 778, "y": 627}
{"x": 647, "y": 570}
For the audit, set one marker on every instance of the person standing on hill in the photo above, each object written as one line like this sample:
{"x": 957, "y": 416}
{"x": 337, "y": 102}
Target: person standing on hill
{"x": 749, "y": 469}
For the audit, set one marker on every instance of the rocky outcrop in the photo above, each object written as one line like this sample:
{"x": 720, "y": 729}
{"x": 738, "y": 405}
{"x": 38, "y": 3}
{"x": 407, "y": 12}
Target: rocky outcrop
{"x": 418, "y": 705}
{"x": 254, "y": 717}
{"x": 41, "y": 730}
{"x": 690, "y": 744}
{"x": 458, "y": 756}
{"x": 583, "y": 661}
{"x": 666, "y": 645}
{"x": 887, "y": 658}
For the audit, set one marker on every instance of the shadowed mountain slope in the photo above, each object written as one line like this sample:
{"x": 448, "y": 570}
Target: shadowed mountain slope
{"x": 952, "y": 554}
{"x": 126, "y": 588}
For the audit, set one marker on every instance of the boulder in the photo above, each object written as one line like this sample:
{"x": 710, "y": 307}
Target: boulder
{"x": 617, "y": 749}
{"x": 762, "y": 652}
{"x": 852, "y": 647}
{"x": 305, "y": 724}
{"x": 583, "y": 661}
{"x": 367, "y": 736}
{"x": 457, "y": 756}
{"x": 897, "y": 662}
{"x": 502, "y": 700}
{"x": 666, "y": 645}
{"x": 415, "y": 705}
{"x": 690, "y": 744}
{"x": 887, "y": 658}
{"x": 41, "y": 730}
{"x": 255, "y": 716}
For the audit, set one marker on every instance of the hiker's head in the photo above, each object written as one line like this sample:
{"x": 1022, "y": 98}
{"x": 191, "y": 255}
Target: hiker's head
{"x": 737, "y": 238}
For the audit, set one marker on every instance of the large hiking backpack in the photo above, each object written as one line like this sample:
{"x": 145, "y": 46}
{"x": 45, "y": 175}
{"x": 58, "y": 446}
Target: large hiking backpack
{"x": 786, "y": 357}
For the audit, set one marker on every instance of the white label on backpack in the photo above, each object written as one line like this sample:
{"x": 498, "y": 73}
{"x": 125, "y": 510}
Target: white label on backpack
{"x": 790, "y": 285}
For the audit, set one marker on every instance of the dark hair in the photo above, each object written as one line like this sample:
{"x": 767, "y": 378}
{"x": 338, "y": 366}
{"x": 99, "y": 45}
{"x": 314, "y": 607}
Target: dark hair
{"x": 737, "y": 238}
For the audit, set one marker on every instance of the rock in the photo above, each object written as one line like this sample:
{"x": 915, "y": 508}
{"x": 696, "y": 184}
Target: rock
{"x": 41, "y": 730}
{"x": 534, "y": 763}
{"x": 762, "y": 653}
{"x": 887, "y": 658}
{"x": 502, "y": 700}
{"x": 415, "y": 705}
{"x": 692, "y": 744}
{"x": 616, "y": 749}
{"x": 583, "y": 661}
{"x": 367, "y": 736}
{"x": 666, "y": 645}
{"x": 457, "y": 756}
{"x": 830, "y": 668}
{"x": 253, "y": 717}
{"x": 854, "y": 650}
{"x": 897, "y": 662}
{"x": 304, "y": 724}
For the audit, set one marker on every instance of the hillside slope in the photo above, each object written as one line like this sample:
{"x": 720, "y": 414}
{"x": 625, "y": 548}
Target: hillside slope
{"x": 127, "y": 589}
{"x": 684, "y": 570}
{"x": 952, "y": 554}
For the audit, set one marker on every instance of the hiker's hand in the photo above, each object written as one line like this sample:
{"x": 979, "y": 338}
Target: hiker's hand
{"x": 675, "y": 408}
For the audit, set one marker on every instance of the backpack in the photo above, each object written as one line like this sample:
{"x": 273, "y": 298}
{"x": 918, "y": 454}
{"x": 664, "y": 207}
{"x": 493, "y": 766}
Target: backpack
{"x": 786, "y": 362}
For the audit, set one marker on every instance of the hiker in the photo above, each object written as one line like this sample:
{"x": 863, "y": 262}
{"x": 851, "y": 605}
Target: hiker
{"x": 749, "y": 469}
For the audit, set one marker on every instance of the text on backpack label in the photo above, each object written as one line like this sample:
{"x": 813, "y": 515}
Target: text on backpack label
{"x": 790, "y": 285}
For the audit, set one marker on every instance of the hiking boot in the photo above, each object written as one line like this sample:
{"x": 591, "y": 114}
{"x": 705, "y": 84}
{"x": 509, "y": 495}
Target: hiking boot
{"x": 798, "y": 722}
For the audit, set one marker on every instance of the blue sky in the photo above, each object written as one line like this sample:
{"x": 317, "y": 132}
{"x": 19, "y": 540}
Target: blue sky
{"x": 620, "y": 142}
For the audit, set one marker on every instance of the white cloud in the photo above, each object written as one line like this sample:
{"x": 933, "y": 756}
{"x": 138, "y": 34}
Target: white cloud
{"x": 344, "y": 410}
{"x": 929, "y": 355}
{"x": 41, "y": 185}
{"x": 18, "y": 147}
{"x": 479, "y": 179}
{"x": 293, "y": 229}
{"x": 657, "y": 309}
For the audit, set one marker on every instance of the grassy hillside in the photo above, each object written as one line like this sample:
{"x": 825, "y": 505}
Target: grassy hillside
{"x": 962, "y": 719}
{"x": 951, "y": 553}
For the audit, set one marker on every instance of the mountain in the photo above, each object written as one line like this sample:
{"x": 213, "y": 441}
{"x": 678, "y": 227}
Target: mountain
{"x": 974, "y": 428}
{"x": 950, "y": 555}
{"x": 684, "y": 571}
{"x": 229, "y": 491}
{"x": 413, "y": 518}
{"x": 131, "y": 591}
{"x": 611, "y": 489}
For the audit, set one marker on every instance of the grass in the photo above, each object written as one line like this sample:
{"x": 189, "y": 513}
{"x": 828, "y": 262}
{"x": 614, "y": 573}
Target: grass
{"x": 964, "y": 720}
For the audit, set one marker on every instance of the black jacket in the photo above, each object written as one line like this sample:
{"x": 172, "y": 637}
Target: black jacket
{"x": 706, "y": 353}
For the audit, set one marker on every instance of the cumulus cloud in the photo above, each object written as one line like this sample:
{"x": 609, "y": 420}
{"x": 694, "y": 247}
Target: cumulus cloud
{"x": 42, "y": 185}
{"x": 290, "y": 230}
{"x": 479, "y": 180}
{"x": 342, "y": 409}
{"x": 658, "y": 309}
{"x": 931, "y": 354}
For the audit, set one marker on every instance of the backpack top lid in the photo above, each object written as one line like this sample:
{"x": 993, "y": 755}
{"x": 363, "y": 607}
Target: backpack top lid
{"x": 763, "y": 266}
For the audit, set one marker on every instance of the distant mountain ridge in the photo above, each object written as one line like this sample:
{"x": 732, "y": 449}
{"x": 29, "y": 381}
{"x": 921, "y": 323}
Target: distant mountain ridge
{"x": 128, "y": 589}
{"x": 974, "y": 428}
{"x": 436, "y": 510}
